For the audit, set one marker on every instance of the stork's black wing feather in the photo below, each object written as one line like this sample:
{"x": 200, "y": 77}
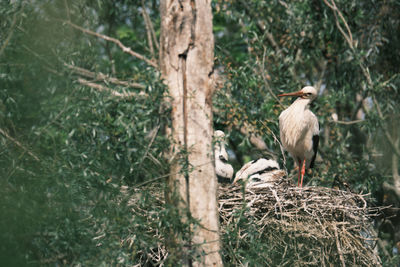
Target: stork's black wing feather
{"x": 315, "y": 140}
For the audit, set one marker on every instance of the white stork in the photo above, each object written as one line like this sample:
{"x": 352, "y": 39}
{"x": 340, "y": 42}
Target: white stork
{"x": 223, "y": 169}
{"x": 299, "y": 130}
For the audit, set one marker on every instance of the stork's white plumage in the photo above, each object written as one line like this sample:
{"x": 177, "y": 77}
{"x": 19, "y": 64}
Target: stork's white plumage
{"x": 258, "y": 170}
{"x": 299, "y": 130}
{"x": 222, "y": 168}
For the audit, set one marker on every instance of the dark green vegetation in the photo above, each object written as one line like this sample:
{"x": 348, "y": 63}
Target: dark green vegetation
{"x": 70, "y": 140}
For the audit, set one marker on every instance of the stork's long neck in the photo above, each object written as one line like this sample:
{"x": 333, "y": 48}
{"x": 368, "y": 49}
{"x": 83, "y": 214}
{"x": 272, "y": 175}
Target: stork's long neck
{"x": 300, "y": 104}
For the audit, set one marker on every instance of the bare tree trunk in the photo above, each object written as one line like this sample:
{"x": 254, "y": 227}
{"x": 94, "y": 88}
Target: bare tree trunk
{"x": 186, "y": 60}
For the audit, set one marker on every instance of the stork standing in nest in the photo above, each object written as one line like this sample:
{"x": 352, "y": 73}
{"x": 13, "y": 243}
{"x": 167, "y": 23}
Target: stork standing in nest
{"x": 299, "y": 130}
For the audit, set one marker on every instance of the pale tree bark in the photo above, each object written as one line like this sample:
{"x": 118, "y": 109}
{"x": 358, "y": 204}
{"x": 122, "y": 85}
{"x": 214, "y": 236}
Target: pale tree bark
{"x": 186, "y": 61}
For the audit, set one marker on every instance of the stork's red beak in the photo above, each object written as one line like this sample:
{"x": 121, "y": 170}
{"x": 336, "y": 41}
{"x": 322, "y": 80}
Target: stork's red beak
{"x": 298, "y": 93}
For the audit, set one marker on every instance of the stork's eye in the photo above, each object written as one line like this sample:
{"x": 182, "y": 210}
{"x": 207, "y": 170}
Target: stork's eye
{"x": 223, "y": 159}
{"x": 308, "y": 94}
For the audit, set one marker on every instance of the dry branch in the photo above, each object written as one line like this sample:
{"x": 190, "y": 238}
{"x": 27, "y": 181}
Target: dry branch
{"x": 147, "y": 23}
{"x": 99, "y": 76}
{"x": 10, "y": 34}
{"x": 266, "y": 84}
{"x": 347, "y": 122}
{"x": 384, "y": 129}
{"x": 124, "y": 48}
{"x": 151, "y": 26}
{"x": 18, "y": 144}
{"x": 102, "y": 88}
{"x": 336, "y": 12}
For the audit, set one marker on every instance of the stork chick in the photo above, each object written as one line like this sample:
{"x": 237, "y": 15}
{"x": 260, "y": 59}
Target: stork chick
{"x": 258, "y": 170}
{"x": 223, "y": 169}
{"x": 299, "y": 130}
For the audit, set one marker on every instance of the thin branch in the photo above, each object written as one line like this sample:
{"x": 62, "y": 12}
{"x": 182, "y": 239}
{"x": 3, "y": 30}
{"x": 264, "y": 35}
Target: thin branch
{"x": 276, "y": 140}
{"x": 322, "y": 75}
{"x": 67, "y": 10}
{"x": 5, "y": 134}
{"x": 360, "y": 104}
{"x": 336, "y": 12}
{"x": 261, "y": 26}
{"x": 166, "y": 175}
{"x": 153, "y": 137}
{"x": 124, "y": 48}
{"x": 48, "y": 66}
{"x": 266, "y": 82}
{"x": 10, "y": 34}
{"x": 347, "y": 122}
{"x": 385, "y": 131}
{"x": 102, "y": 88}
{"x": 99, "y": 76}
{"x": 151, "y": 26}
{"x": 388, "y": 187}
{"x": 146, "y": 23}
{"x": 271, "y": 38}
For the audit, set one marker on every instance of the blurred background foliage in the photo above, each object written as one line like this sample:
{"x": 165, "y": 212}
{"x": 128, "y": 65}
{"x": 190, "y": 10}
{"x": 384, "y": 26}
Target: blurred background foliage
{"x": 81, "y": 121}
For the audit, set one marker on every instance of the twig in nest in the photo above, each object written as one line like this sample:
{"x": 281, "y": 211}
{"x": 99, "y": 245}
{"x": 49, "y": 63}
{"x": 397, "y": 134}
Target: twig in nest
{"x": 338, "y": 246}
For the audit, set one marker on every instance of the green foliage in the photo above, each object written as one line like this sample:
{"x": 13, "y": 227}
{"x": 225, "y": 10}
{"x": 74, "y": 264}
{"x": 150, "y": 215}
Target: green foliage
{"x": 68, "y": 150}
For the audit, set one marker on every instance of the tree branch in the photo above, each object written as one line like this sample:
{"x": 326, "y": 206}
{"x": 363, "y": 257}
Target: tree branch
{"x": 124, "y": 48}
{"x": 346, "y": 122}
{"x": 388, "y": 187}
{"x": 385, "y": 131}
{"x": 261, "y": 26}
{"x": 266, "y": 82}
{"x": 5, "y": 134}
{"x": 336, "y": 12}
{"x": 10, "y": 34}
{"x": 151, "y": 26}
{"x": 147, "y": 23}
{"x": 102, "y": 88}
{"x": 99, "y": 76}
{"x": 67, "y": 10}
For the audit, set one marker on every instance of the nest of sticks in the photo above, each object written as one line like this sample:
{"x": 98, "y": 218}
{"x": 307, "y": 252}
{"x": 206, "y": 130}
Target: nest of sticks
{"x": 304, "y": 226}
{"x": 313, "y": 226}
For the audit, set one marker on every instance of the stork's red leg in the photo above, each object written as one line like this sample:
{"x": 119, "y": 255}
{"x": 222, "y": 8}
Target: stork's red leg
{"x": 298, "y": 179}
{"x": 303, "y": 171}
